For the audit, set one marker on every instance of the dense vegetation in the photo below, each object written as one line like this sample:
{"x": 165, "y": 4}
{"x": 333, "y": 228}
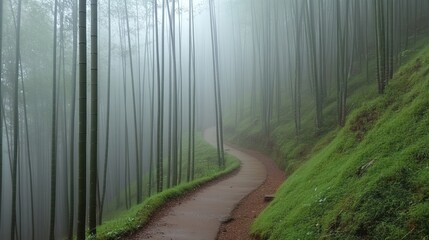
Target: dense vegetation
{"x": 370, "y": 178}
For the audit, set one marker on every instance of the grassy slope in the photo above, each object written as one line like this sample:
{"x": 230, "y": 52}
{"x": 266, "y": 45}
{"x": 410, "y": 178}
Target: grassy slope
{"x": 206, "y": 170}
{"x": 286, "y": 149}
{"x": 368, "y": 180}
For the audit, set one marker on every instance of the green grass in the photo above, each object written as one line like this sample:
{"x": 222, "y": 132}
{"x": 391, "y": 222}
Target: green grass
{"x": 368, "y": 180}
{"x": 131, "y": 220}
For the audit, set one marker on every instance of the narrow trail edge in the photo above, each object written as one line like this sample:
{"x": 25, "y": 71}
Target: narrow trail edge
{"x": 200, "y": 215}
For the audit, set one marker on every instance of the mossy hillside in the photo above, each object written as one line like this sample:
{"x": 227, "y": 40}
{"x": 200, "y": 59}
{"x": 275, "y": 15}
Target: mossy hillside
{"x": 244, "y": 128}
{"x": 370, "y": 181}
{"x": 127, "y": 222}
{"x": 285, "y": 147}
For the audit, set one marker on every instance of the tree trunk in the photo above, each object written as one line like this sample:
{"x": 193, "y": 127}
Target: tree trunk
{"x": 72, "y": 124}
{"x": 27, "y": 141}
{"x": 106, "y": 146}
{"x": 94, "y": 124}
{"x": 82, "y": 121}
{"x": 1, "y": 105}
{"x": 138, "y": 160}
{"x": 16, "y": 124}
{"x": 54, "y": 132}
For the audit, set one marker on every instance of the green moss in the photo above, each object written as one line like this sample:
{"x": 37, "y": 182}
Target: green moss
{"x": 368, "y": 180}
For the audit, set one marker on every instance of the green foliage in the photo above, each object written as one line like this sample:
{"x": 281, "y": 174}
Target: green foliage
{"x": 131, "y": 220}
{"x": 368, "y": 180}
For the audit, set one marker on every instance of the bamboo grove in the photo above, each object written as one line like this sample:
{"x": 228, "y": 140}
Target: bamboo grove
{"x": 295, "y": 56}
{"x": 102, "y": 102}
{"x": 113, "y": 111}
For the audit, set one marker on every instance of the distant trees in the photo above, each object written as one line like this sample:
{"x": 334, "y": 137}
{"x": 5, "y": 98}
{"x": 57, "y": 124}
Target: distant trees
{"x": 388, "y": 44}
{"x": 345, "y": 51}
{"x": 216, "y": 81}
{"x": 316, "y": 83}
{"x": 297, "y": 83}
{"x": 133, "y": 93}
{"x": 331, "y": 42}
{"x": 381, "y": 43}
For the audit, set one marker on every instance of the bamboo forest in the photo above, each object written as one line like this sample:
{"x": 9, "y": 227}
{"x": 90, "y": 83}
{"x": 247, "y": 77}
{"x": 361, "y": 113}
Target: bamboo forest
{"x": 214, "y": 119}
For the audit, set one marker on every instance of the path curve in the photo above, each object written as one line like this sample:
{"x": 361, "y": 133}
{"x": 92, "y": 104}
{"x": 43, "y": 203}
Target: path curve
{"x": 200, "y": 216}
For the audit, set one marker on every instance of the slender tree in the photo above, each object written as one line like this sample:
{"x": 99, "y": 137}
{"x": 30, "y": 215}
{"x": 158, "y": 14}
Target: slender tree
{"x": 310, "y": 26}
{"x": 133, "y": 93}
{"x": 27, "y": 141}
{"x": 54, "y": 130}
{"x": 160, "y": 117}
{"x": 62, "y": 75}
{"x": 1, "y": 106}
{"x": 218, "y": 102}
{"x": 82, "y": 121}
{"x": 127, "y": 165}
{"x": 193, "y": 97}
{"x": 381, "y": 42}
{"x": 190, "y": 146}
{"x": 13, "y": 231}
{"x": 106, "y": 147}
{"x": 141, "y": 95}
{"x": 173, "y": 100}
{"x": 297, "y": 83}
{"x": 180, "y": 104}
{"x": 152, "y": 109}
{"x": 72, "y": 124}
{"x": 92, "y": 223}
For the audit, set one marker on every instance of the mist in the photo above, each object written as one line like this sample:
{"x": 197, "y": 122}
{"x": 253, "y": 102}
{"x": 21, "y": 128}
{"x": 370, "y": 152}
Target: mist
{"x": 164, "y": 72}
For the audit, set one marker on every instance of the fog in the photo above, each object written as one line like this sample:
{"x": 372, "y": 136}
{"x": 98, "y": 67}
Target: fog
{"x": 164, "y": 76}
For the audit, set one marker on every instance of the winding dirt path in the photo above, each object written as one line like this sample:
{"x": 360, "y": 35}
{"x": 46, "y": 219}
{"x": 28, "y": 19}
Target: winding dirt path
{"x": 200, "y": 215}
{"x": 253, "y": 204}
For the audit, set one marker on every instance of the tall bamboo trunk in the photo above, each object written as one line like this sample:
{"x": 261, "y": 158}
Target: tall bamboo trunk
{"x": 81, "y": 216}
{"x": 13, "y": 231}
{"x": 93, "y": 169}
{"x": 1, "y": 105}
{"x": 54, "y": 132}
{"x": 106, "y": 146}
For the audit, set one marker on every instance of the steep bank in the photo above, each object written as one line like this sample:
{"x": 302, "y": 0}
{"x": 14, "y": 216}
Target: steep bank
{"x": 369, "y": 181}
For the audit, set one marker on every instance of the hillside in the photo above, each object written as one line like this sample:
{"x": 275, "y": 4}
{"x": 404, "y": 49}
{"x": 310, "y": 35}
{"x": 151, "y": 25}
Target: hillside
{"x": 370, "y": 180}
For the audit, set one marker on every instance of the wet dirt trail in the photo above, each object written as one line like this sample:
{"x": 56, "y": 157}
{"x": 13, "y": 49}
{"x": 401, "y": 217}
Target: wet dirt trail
{"x": 200, "y": 215}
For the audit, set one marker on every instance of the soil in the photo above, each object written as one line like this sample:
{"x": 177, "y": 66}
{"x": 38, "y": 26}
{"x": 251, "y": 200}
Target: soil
{"x": 223, "y": 208}
{"x": 253, "y": 204}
